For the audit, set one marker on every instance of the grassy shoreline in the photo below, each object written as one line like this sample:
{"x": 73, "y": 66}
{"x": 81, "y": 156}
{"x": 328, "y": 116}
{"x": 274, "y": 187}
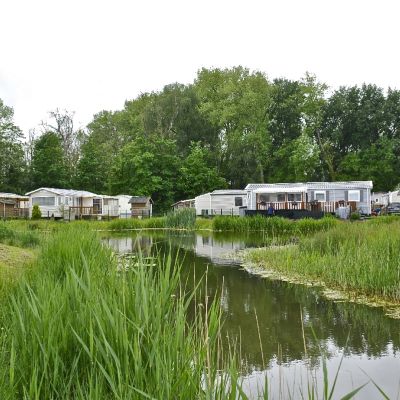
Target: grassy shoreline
{"x": 359, "y": 261}
{"x": 76, "y": 327}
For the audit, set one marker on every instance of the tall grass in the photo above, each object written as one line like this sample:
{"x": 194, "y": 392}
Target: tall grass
{"x": 274, "y": 225}
{"x": 184, "y": 218}
{"x": 75, "y": 328}
{"x": 20, "y": 238}
{"x": 360, "y": 257}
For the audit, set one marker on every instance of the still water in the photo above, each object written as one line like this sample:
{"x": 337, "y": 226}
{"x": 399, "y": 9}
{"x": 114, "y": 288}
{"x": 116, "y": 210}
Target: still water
{"x": 268, "y": 319}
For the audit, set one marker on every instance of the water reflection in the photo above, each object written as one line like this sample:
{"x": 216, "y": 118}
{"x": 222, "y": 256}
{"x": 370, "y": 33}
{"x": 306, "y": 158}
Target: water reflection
{"x": 365, "y": 335}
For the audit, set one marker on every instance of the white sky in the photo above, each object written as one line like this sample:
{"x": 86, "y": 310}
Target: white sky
{"x": 86, "y": 56}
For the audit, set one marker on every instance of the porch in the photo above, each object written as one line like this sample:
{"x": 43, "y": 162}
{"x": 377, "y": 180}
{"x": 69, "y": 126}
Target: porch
{"x": 299, "y": 201}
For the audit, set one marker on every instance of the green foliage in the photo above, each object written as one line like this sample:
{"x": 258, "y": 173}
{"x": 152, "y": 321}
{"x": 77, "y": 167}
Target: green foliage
{"x": 147, "y": 166}
{"x": 196, "y": 174}
{"x": 48, "y": 163}
{"x": 20, "y": 238}
{"x": 36, "y": 213}
{"x": 358, "y": 257}
{"x": 12, "y": 163}
{"x": 354, "y": 216}
{"x": 81, "y": 329}
{"x": 274, "y": 225}
{"x": 184, "y": 218}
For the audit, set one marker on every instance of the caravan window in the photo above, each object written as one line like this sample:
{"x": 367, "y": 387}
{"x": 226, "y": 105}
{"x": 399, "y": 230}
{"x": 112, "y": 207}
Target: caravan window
{"x": 294, "y": 196}
{"x": 238, "y": 201}
{"x": 354, "y": 195}
{"x": 320, "y": 196}
{"x": 44, "y": 201}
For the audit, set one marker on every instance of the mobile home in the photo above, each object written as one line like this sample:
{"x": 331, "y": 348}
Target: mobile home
{"x": 312, "y": 196}
{"x": 220, "y": 202}
{"x": 72, "y": 204}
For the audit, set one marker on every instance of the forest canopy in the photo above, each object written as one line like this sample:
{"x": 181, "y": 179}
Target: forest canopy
{"x": 228, "y": 128}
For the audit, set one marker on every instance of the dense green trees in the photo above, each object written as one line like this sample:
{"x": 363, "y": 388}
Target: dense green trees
{"x": 230, "y": 127}
{"x": 48, "y": 167}
{"x": 12, "y": 165}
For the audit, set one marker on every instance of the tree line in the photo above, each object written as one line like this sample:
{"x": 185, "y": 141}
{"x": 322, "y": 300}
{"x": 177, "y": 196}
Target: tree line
{"x": 226, "y": 129}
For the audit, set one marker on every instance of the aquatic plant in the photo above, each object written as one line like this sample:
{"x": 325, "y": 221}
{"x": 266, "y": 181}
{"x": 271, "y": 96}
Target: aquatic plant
{"x": 77, "y": 328}
{"x": 184, "y": 218}
{"x": 360, "y": 257}
{"x": 274, "y": 225}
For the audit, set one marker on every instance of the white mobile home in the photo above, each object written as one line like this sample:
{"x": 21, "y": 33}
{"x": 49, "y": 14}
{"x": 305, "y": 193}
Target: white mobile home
{"x": 220, "y": 202}
{"x": 124, "y": 206}
{"x": 312, "y": 196}
{"x": 72, "y": 204}
{"x": 391, "y": 197}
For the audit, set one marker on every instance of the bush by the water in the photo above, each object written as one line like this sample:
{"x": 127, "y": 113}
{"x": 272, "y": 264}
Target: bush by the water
{"x": 273, "y": 225}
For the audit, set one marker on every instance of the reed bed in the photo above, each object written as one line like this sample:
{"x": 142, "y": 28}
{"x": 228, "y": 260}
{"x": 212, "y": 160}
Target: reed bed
{"x": 184, "y": 218}
{"x": 273, "y": 225}
{"x": 75, "y": 328}
{"x": 360, "y": 257}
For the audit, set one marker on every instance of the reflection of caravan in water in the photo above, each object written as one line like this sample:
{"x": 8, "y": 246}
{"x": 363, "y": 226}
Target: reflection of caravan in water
{"x": 129, "y": 245}
{"x": 215, "y": 250}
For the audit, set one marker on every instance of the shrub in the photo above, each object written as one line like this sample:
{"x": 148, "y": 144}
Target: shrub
{"x": 36, "y": 213}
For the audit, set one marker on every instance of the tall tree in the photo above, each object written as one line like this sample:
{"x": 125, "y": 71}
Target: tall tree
{"x": 196, "y": 174}
{"x": 12, "y": 164}
{"x": 101, "y": 146}
{"x": 236, "y": 101}
{"x": 48, "y": 163}
{"x": 62, "y": 123}
{"x": 148, "y": 167}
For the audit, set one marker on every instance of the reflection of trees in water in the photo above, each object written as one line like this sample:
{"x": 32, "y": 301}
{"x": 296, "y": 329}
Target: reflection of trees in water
{"x": 278, "y": 305}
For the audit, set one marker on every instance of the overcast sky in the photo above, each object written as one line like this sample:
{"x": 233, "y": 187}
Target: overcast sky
{"x": 87, "y": 56}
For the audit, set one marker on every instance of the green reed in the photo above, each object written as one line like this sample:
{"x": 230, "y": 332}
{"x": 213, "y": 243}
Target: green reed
{"x": 75, "y": 327}
{"x": 362, "y": 257}
{"x": 273, "y": 225}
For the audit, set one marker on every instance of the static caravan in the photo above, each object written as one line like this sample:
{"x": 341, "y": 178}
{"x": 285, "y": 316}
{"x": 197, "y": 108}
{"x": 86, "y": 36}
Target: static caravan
{"x": 124, "y": 206}
{"x": 380, "y": 198}
{"x": 391, "y": 197}
{"x": 220, "y": 202}
{"x": 13, "y": 205}
{"x": 72, "y": 204}
{"x": 312, "y": 196}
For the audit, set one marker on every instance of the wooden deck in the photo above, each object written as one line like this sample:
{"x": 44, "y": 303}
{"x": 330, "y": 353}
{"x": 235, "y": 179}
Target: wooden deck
{"x": 324, "y": 206}
{"x": 14, "y": 213}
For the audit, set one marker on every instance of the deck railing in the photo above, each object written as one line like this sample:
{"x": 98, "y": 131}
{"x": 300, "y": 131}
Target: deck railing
{"x": 325, "y": 206}
{"x": 14, "y": 213}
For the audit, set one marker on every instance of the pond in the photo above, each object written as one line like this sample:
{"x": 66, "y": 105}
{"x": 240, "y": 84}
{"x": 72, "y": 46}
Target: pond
{"x": 282, "y": 327}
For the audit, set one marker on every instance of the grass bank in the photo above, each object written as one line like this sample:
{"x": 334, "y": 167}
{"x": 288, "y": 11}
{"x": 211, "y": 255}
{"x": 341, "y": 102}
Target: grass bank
{"x": 361, "y": 258}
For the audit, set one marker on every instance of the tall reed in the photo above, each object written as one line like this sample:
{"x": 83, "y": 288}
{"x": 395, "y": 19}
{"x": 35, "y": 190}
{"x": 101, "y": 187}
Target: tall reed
{"x": 361, "y": 257}
{"x": 274, "y": 225}
{"x": 76, "y": 328}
